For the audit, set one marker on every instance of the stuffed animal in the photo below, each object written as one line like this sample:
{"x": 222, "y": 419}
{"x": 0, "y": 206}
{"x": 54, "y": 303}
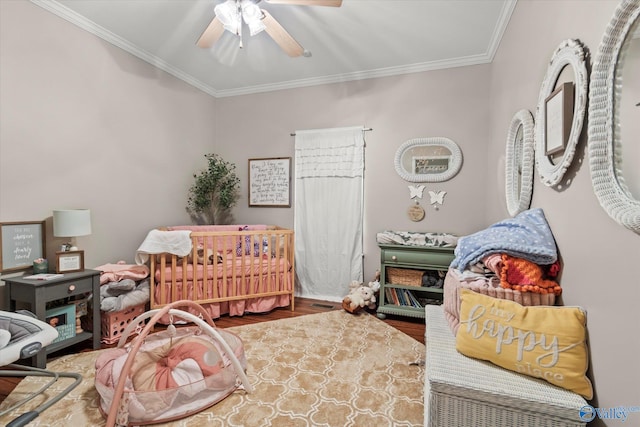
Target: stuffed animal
{"x": 360, "y": 296}
{"x": 201, "y": 253}
{"x": 206, "y": 253}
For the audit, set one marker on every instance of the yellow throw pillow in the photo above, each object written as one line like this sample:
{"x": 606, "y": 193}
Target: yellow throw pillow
{"x": 542, "y": 341}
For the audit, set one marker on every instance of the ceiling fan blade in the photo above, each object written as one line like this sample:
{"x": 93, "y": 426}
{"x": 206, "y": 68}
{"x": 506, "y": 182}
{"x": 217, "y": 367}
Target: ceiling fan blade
{"x": 330, "y": 3}
{"x": 281, "y": 36}
{"x": 211, "y": 34}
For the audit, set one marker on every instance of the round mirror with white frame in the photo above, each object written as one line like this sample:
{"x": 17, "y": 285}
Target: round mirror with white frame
{"x": 611, "y": 77}
{"x": 519, "y": 163}
{"x": 433, "y": 159}
{"x": 558, "y": 125}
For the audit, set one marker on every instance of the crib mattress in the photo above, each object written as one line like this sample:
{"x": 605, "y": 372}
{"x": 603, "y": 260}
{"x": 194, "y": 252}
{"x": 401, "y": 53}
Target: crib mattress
{"x": 465, "y": 392}
{"x": 486, "y": 286}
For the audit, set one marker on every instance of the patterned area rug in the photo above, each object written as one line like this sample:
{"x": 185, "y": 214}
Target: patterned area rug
{"x": 327, "y": 369}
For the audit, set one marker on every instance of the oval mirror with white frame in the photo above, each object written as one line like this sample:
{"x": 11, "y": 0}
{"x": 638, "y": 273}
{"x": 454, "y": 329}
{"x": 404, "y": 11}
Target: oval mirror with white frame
{"x": 519, "y": 163}
{"x": 560, "y": 112}
{"x": 613, "y": 95}
{"x": 433, "y": 159}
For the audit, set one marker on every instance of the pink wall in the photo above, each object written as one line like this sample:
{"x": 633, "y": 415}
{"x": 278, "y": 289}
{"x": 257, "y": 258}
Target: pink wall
{"x": 449, "y": 103}
{"x": 87, "y": 125}
{"x": 84, "y": 124}
{"x": 599, "y": 255}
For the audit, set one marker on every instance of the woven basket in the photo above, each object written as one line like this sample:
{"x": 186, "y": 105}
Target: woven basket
{"x": 404, "y": 276}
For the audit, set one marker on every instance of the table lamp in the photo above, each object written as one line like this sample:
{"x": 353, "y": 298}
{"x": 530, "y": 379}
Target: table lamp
{"x": 71, "y": 223}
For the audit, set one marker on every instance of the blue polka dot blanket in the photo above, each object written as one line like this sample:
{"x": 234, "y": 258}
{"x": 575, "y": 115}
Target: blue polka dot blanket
{"x": 526, "y": 236}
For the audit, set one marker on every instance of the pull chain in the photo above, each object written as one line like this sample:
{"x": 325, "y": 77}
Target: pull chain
{"x": 239, "y": 23}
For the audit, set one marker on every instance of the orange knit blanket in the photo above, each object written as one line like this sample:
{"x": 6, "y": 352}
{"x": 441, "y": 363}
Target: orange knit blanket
{"x": 526, "y": 276}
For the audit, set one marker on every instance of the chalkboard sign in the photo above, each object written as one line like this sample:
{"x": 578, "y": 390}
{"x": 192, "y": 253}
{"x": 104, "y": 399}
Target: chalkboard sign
{"x": 22, "y": 243}
{"x": 269, "y": 182}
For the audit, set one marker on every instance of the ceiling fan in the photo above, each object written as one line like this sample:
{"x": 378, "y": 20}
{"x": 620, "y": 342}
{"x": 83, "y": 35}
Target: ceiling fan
{"x": 231, "y": 14}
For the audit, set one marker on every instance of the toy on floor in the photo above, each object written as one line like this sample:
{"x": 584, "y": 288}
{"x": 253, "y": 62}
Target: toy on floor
{"x": 360, "y": 296}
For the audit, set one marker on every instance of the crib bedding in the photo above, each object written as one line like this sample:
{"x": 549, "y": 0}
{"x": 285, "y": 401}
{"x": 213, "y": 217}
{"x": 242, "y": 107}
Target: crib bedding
{"x": 240, "y": 267}
{"x": 240, "y": 306}
{"x": 232, "y": 300}
{"x": 230, "y": 270}
{"x": 231, "y": 288}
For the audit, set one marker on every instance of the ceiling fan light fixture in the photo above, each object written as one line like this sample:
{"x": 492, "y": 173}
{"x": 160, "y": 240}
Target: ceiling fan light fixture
{"x": 252, "y": 16}
{"x": 255, "y": 27}
{"x": 229, "y": 16}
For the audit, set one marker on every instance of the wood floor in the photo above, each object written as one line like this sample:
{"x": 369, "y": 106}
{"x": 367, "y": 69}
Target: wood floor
{"x": 415, "y": 328}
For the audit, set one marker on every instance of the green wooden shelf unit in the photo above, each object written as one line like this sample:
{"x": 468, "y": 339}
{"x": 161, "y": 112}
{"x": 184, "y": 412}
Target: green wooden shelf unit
{"x": 401, "y": 298}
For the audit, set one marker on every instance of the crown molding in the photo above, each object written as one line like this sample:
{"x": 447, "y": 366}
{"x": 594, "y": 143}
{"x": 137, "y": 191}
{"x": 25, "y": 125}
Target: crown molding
{"x": 501, "y": 26}
{"x": 359, "y": 75}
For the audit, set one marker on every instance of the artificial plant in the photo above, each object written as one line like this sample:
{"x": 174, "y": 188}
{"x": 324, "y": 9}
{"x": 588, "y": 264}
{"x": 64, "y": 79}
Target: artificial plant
{"x": 214, "y": 192}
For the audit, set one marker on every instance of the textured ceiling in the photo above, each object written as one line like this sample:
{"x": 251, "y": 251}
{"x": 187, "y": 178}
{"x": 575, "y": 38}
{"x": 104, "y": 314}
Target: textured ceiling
{"x": 361, "y": 39}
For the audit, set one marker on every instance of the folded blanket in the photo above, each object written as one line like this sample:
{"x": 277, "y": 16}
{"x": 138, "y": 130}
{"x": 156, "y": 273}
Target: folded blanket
{"x": 113, "y": 289}
{"x": 525, "y": 236}
{"x": 493, "y": 262}
{"x": 121, "y": 271}
{"x": 522, "y": 275}
{"x": 454, "y": 282}
{"x": 412, "y": 238}
{"x": 114, "y": 297}
{"x": 176, "y": 242}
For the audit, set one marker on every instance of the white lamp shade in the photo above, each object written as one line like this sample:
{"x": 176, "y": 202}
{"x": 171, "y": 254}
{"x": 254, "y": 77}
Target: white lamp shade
{"x": 229, "y": 16}
{"x": 71, "y": 223}
{"x": 252, "y": 15}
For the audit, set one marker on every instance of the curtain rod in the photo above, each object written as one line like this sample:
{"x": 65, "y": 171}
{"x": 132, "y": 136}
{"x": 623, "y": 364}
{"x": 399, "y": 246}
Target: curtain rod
{"x": 364, "y": 130}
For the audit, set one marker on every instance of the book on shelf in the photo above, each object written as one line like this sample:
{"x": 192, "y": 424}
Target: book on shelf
{"x": 401, "y": 297}
{"x": 44, "y": 276}
{"x": 394, "y": 296}
{"x": 388, "y": 295}
{"x": 413, "y": 300}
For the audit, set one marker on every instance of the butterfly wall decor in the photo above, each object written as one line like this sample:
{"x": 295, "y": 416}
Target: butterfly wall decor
{"x": 437, "y": 197}
{"x": 416, "y": 191}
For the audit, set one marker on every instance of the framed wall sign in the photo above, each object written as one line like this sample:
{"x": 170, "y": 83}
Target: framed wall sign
{"x": 270, "y": 182}
{"x": 430, "y": 164}
{"x": 559, "y": 115}
{"x": 21, "y": 244}
{"x": 69, "y": 261}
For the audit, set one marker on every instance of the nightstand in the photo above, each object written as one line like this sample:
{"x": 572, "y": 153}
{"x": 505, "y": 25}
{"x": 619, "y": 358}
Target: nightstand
{"x": 37, "y": 293}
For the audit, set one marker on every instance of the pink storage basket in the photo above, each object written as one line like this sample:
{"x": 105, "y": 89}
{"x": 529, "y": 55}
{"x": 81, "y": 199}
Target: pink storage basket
{"x": 114, "y": 323}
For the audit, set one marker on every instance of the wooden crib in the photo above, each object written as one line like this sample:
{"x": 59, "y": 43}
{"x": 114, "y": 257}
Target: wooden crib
{"x": 231, "y": 270}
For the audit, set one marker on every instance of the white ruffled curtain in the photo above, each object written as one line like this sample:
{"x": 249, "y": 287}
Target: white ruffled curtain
{"x": 329, "y": 171}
